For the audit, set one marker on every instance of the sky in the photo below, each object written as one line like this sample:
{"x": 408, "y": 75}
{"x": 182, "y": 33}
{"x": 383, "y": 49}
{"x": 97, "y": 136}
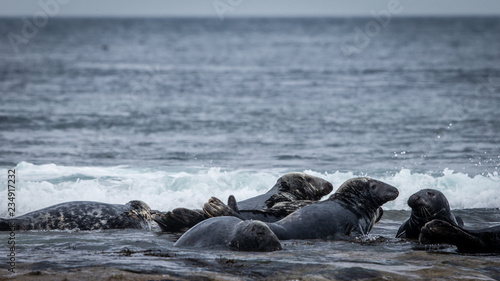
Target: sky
{"x": 235, "y": 8}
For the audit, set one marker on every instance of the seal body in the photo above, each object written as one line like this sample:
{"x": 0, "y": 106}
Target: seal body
{"x": 230, "y": 233}
{"x": 485, "y": 240}
{"x": 83, "y": 215}
{"x": 289, "y": 187}
{"x": 350, "y": 212}
{"x": 426, "y": 205}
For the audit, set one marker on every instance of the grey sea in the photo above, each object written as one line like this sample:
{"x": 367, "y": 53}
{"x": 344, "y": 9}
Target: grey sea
{"x": 173, "y": 111}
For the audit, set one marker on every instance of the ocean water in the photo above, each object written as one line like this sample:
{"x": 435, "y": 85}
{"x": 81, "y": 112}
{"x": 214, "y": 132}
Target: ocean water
{"x": 174, "y": 111}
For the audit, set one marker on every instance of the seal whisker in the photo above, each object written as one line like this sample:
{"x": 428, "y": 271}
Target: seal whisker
{"x": 428, "y": 213}
{"x": 423, "y": 212}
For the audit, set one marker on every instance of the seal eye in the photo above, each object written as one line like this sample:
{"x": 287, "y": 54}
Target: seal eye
{"x": 373, "y": 186}
{"x": 430, "y": 194}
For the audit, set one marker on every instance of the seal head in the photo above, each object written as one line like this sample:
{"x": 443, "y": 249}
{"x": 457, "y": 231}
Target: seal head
{"x": 426, "y": 205}
{"x": 365, "y": 190}
{"x": 298, "y": 186}
{"x": 141, "y": 212}
{"x": 230, "y": 233}
{"x": 253, "y": 235}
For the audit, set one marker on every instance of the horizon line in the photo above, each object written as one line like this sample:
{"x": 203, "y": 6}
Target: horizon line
{"x": 254, "y": 15}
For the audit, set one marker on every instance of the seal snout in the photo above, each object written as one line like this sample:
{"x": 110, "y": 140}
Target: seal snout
{"x": 327, "y": 187}
{"x": 416, "y": 201}
{"x": 412, "y": 201}
{"x": 393, "y": 193}
{"x": 390, "y": 192}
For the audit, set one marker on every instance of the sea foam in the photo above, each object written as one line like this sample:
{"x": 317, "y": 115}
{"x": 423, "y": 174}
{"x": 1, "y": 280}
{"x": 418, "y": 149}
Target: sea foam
{"x": 166, "y": 188}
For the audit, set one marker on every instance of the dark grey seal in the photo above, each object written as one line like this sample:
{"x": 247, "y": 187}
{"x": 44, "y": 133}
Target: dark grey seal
{"x": 485, "y": 240}
{"x": 426, "y": 205}
{"x": 83, "y": 215}
{"x": 291, "y": 192}
{"x": 350, "y": 212}
{"x": 230, "y": 233}
{"x": 290, "y": 187}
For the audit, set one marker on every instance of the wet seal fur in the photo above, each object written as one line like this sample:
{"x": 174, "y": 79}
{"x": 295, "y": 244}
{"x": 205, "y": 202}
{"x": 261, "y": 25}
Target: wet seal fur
{"x": 426, "y": 205}
{"x": 83, "y": 215}
{"x": 350, "y": 212}
{"x": 179, "y": 219}
{"x": 230, "y": 233}
{"x": 216, "y": 208}
{"x": 288, "y": 188}
{"x": 291, "y": 192}
{"x": 485, "y": 240}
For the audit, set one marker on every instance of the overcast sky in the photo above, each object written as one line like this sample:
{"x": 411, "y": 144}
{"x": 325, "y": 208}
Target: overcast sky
{"x": 234, "y": 8}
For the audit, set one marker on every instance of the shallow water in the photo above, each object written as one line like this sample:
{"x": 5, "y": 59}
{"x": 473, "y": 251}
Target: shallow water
{"x": 378, "y": 255}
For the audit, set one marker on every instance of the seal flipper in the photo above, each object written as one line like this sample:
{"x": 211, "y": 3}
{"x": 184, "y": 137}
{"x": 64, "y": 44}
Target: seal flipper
{"x": 380, "y": 213}
{"x": 231, "y": 202}
{"x": 402, "y": 230}
{"x": 440, "y": 231}
{"x": 216, "y": 208}
{"x": 178, "y": 219}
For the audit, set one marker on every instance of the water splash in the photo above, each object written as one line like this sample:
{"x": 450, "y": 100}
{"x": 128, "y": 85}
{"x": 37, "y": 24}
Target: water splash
{"x": 165, "y": 188}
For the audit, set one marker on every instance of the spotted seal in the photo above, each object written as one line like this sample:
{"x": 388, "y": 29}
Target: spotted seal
{"x": 83, "y": 215}
{"x": 291, "y": 192}
{"x": 485, "y": 240}
{"x": 230, "y": 233}
{"x": 426, "y": 205}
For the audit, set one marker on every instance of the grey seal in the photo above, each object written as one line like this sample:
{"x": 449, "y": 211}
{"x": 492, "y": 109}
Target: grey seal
{"x": 83, "y": 215}
{"x": 426, "y": 205}
{"x": 485, "y": 240}
{"x": 291, "y": 192}
{"x": 350, "y": 212}
{"x": 230, "y": 233}
{"x": 290, "y": 187}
